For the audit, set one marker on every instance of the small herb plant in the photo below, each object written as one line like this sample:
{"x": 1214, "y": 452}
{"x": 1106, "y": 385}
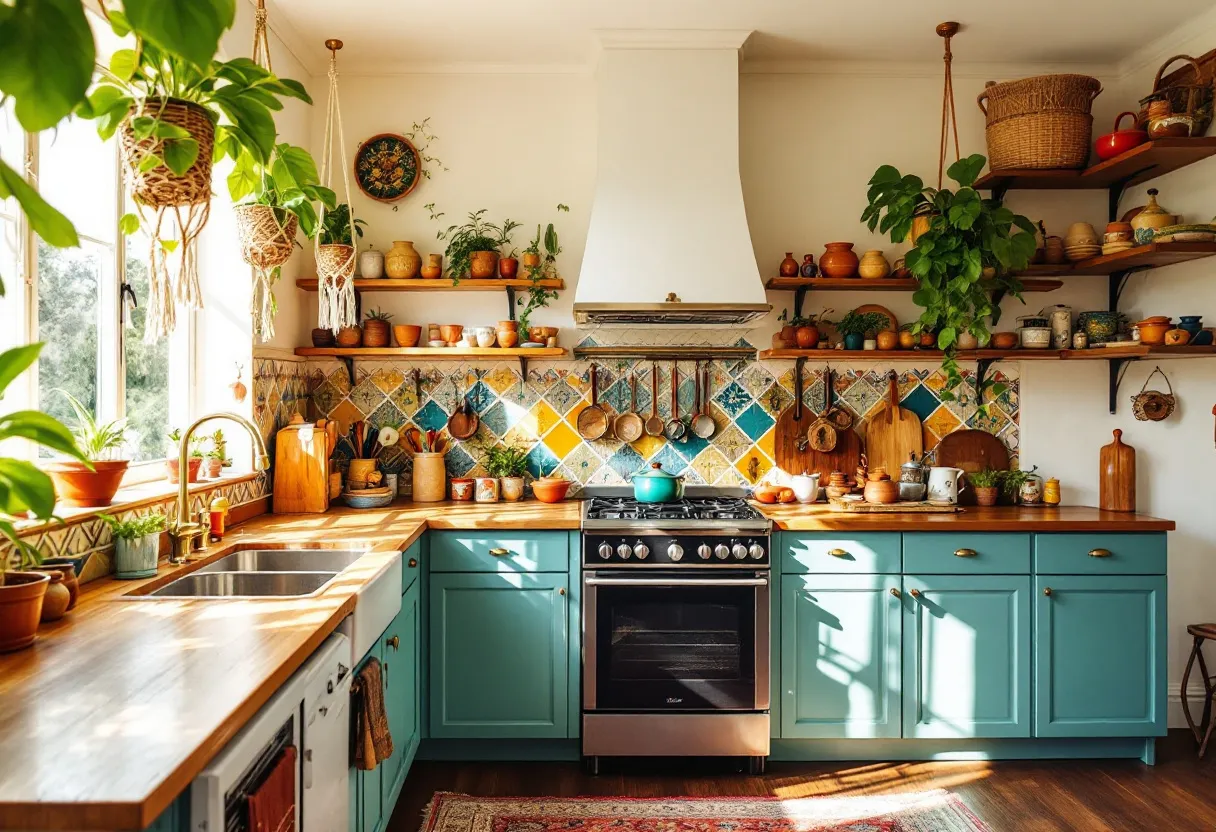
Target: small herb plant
{"x": 422, "y": 138}
{"x": 1011, "y": 482}
{"x": 99, "y": 442}
{"x": 860, "y": 323}
{"x": 988, "y": 478}
{"x": 219, "y": 446}
{"x": 538, "y": 296}
{"x": 506, "y": 461}
{"x": 135, "y": 528}
{"x": 475, "y": 235}
{"x": 335, "y": 227}
{"x": 379, "y": 315}
{"x": 175, "y": 442}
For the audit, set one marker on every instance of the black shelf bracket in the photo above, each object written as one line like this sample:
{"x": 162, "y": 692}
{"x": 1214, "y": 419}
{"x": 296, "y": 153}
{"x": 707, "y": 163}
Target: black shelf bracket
{"x": 1115, "y": 193}
{"x": 1116, "y": 367}
{"x": 799, "y": 299}
{"x": 1116, "y": 282}
{"x": 999, "y": 191}
{"x": 982, "y": 366}
{"x": 511, "y": 306}
{"x": 349, "y": 361}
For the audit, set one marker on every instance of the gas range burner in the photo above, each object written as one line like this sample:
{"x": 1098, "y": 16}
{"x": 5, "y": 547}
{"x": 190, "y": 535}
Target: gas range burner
{"x": 695, "y": 508}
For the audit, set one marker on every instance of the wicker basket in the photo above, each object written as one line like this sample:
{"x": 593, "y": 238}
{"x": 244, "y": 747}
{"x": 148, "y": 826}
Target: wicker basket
{"x": 160, "y": 187}
{"x": 266, "y": 234}
{"x": 1193, "y": 99}
{"x": 1039, "y": 123}
{"x": 335, "y": 261}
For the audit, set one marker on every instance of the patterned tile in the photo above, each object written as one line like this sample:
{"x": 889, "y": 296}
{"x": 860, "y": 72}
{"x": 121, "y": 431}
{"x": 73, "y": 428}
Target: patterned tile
{"x": 497, "y": 419}
{"x": 366, "y": 396}
{"x": 920, "y": 401}
{"x": 431, "y": 417}
{"x": 754, "y": 422}
{"x": 753, "y": 465}
{"x": 387, "y": 414}
{"x": 581, "y": 462}
{"x": 671, "y": 461}
{"x": 541, "y": 461}
{"x": 562, "y": 440}
{"x": 942, "y": 422}
{"x": 733, "y": 399}
{"x": 626, "y": 462}
{"x": 711, "y": 465}
{"x": 387, "y": 379}
{"x": 775, "y": 399}
{"x": 860, "y": 397}
{"x": 732, "y": 442}
{"x": 458, "y": 461}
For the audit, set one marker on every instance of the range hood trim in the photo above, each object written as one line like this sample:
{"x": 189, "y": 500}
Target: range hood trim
{"x": 668, "y": 314}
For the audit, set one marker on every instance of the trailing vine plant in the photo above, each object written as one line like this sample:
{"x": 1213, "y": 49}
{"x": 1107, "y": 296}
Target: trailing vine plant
{"x": 538, "y": 296}
{"x": 973, "y": 249}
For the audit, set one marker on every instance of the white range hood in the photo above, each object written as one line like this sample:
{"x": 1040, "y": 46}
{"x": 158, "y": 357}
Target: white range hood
{"x": 668, "y": 242}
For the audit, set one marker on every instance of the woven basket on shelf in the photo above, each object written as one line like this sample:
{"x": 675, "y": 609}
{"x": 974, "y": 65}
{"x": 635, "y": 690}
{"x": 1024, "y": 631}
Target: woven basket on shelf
{"x": 1039, "y": 123}
{"x": 266, "y": 234}
{"x": 1190, "y": 96}
{"x": 161, "y": 187}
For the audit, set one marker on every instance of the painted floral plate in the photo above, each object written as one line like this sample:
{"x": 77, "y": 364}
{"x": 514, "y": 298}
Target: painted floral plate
{"x": 387, "y": 167}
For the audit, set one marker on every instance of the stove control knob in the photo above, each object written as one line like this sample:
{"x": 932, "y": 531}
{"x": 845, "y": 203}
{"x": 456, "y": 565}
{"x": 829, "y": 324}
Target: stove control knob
{"x": 641, "y": 550}
{"x": 739, "y": 551}
{"x": 605, "y": 551}
{"x": 624, "y": 551}
{"x": 703, "y": 551}
{"x": 675, "y": 553}
{"x": 756, "y": 551}
{"x": 721, "y": 551}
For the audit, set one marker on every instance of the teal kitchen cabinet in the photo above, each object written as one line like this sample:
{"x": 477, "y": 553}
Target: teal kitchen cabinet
{"x": 966, "y": 656}
{"x": 499, "y": 654}
{"x": 842, "y": 554}
{"x": 174, "y": 819}
{"x": 366, "y": 803}
{"x": 401, "y": 647}
{"x": 1100, "y": 655}
{"x": 840, "y": 656}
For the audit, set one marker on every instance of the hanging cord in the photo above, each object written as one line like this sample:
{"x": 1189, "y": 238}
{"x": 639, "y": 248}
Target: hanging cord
{"x": 337, "y": 287}
{"x": 949, "y": 115}
{"x": 261, "y": 43}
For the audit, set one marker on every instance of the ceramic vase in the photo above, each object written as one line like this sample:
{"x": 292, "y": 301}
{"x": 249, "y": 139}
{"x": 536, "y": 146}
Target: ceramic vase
{"x": 1152, "y": 217}
{"x": 508, "y": 267}
{"x": 1191, "y": 323}
{"x": 371, "y": 264}
{"x": 839, "y": 260}
{"x": 808, "y": 268}
{"x": 485, "y": 489}
{"x": 403, "y": 261}
{"x": 873, "y": 265}
{"x": 433, "y": 267}
{"x": 136, "y": 557}
{"x": 789, "y": 266}
{"x": 57, "y": 599}
{"x": 854, "y": 341}
{"x": 511, "y": 488}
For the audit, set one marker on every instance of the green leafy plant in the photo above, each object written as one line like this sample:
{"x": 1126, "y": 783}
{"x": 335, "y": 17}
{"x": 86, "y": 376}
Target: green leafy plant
{"x": 859, "y": 323}
{"x": 987, "y": 478}
{"x": 506, "y": 461}
{"x": 24, "y": 489}
{"x": 379, "y": 315}
{"x": 289, "y": 182}
{"x": 219, "y": 444}
{"x": 538, "y": 296}
{"x": 1012, "y": 481}
{"x": 175, "y": 443}
{"x": 475, "y": 235}
{"x": 422, "y": 138}
{"x": 136, "y": 527}
{"x": 970, "y": 254}
{"x": 97, "y": 441}
{"x": 335, "y": 227}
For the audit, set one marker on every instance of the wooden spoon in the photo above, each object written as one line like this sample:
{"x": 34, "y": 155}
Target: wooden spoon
{"x": 593, "y": 421}
{"x": 654, "y": 425}
{"x": 675, "y": 427}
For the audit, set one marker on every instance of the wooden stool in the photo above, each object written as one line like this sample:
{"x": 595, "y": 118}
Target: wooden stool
{"x": 1201, "y": 633}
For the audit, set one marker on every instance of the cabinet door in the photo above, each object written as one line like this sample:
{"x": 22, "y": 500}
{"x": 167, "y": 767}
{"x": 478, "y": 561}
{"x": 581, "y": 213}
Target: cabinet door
{"x": 966, "y": 656}
{"x": 498, "y": 655}
{"x": 1100, "y": 656}
{"x": 840, "y": 656}
{"x": 401, "y": 694}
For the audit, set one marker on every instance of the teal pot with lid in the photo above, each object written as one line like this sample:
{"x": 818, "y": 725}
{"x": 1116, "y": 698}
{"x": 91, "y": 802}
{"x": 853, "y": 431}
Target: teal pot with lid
{"x": 655, "y": 485}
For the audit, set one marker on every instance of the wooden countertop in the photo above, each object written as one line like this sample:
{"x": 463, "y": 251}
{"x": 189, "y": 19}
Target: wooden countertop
{"x": 820, "y": 517}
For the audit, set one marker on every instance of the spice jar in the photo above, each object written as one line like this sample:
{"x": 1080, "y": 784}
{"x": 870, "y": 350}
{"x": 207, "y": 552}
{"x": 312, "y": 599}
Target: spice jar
{"x": 1051, "y": 492}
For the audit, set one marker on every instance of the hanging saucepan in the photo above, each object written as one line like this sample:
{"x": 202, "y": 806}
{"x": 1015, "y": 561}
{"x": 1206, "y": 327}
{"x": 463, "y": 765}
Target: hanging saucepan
{"x": 593, "y": 421}
{"x": 655, "y": 485}
{"x": 1152, "y": 405}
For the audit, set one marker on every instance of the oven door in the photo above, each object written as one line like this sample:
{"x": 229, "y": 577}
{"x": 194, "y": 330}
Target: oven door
{"x": 676, "y": 642}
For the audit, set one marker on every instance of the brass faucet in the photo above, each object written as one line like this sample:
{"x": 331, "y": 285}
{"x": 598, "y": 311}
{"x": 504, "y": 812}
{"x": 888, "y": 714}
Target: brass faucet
{"x": 184, "y": 533}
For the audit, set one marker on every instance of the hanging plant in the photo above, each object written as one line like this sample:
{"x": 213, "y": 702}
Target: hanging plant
{"x": 972, "y": 249}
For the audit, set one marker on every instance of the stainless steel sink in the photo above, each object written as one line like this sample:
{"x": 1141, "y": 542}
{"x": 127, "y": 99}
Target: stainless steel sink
{"x": 244, "y": 584}
{"x": 285, "y": 560}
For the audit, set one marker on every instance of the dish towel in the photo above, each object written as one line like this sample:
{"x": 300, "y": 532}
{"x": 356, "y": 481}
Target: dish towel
{"x": 272, "y": 806}
{"x": 373, "y": 742}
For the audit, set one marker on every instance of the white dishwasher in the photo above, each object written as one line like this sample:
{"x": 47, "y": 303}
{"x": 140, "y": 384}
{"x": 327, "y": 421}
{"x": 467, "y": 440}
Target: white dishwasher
{"x": 310, "y": 713}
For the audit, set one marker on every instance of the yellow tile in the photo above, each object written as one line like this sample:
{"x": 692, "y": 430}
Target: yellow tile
{"x": 562, "y": 440}
{"x": 936, "y": 381}
{"x": 501, "y": 380}
{"x": 753, "y": 472}
{"x": 520, "y": 436}
{"x": 388, "y": 379}
{"x": 344, "y": 414}
{"x": 711, "y": 465}
{"x": 544, "y": 417}
{"x": 941, "y": 422}
{"x": 768, "y": 442}
{"x": 649, "y": 445}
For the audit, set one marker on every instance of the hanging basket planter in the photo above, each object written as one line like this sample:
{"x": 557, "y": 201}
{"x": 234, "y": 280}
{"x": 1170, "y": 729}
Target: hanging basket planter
{"x": 160, "y": 187}
{"x": 267, "y": 234}
{"x": 335, "y": 262}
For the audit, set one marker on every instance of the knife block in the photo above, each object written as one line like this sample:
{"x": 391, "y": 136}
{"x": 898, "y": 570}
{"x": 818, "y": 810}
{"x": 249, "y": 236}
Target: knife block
{"x": 301, "y": 470}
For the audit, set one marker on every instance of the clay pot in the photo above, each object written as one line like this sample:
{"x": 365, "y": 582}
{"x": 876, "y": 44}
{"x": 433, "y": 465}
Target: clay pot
{"x": 806, "y": 337}
{"x": 21, "y": 608}
{"x": 986, "y": 495}
{"x": 838, "y": 260}
{"x": 789, "y": 266}
{"x": 508, "y": 267}
{"x": 873, "y": 265}
{"x": 483, "y": 264}
{"x": 407, "y": 335}
{"x": 550, "y": 489}
{"x": 507, "y": 338}
{"x": 376, "y": 333}
{"x": 1004, "y": 340}
{"x": 322, "y": 338}
{"x": 1152, "y": 333}
{"x": 68, "y": 570}
{"x": 450, "y": 332}
{"x": 402, "y": 262}
{"x": 511, "y": 489}
{"x": 55, "y": 602}
{"x": 213, "y": 467}
{"x": 511, "y": 325}
{"x": 76, "y": 485}
{"x": 349, "y": 336}
{"x": 530, "y": 261}
{"x": 192, "y": 468}
{"x": 1176, "y": 337}
{"x": 788, "y": 333}
{"x": 433, "y": 267}
{"x": 881, "y": 491}
{"x": 928, "y": 340}
{"x": 888, "y": 339}
{"x": 967, "y": 341}
{"x": 359, "y": 473}
{"x": 907, "y": 339}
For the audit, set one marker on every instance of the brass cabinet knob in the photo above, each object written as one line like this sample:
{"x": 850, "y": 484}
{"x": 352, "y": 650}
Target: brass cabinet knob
{"x": 915, "y": 593}
{"x": 1099, "y": 553}
{"x": 561, "y": 590}
{"x": 1047, "y": 591}
{"x": 964, "y": 553}
{"x": 895, "y": 592}
{"x": 412, "y": 562}
{"x": 838, "y": 553}
{"x": 393, "y": 642}
{"x": 498, "y": 553}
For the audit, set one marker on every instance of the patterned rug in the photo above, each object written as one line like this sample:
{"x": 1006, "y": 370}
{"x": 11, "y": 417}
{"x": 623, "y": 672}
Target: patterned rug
{"x": 933, "y": 811}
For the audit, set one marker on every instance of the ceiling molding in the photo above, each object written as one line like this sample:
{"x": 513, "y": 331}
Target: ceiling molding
{"x": 672, "y": 38}
{"x": 1199, "y": 31}
{"x": 990, "y": 71}
{"x": 388, "y": 70}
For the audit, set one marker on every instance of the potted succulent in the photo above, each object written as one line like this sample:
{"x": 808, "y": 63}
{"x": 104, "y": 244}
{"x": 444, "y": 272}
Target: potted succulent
{"x": 472, "y": 247}
{"x": 219, "y": 444}
{"x": 29, "y": 492}
{"x": 987, "y": 485}
{"x": 171, "y": 458}
{"x": 94, "y": 479}
{"x": 136, "y": 544}
{"x": 509, "y": 465}
{"x": 213, "y": 464}
{"x": 376, "y": 328}
{"x": 855, "y": 327}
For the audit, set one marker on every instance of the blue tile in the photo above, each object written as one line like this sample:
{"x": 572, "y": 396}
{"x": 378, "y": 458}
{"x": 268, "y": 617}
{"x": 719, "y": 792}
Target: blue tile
{"x": 431, "y": 417}
{"x": 481, "y": 397}
{"x": 388, "y": 415}
{"x": 562, "y": 396}
{"x": 671, "y": 461}
{"x": 921, "y": 402}
{"x": 457, "y": 461}
{"x": 541, "y": 461}
{"x": 626, "y": 462}
{"x": 496, "y": 419}
{"x": 733, "y": 399}
{"x": 754, "y": 422}
{"x": 691, "y": 446}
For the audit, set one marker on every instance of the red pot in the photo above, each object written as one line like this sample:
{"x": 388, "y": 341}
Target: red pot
{"x": 1120, "y": 141}
{"x": 839, "y": 260}
{"x": 76, "y": 485}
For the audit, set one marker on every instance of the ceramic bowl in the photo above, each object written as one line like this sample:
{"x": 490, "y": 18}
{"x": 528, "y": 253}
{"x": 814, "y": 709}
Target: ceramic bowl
{"x": 550, "y": 489}
{"x": 1080, "y": 233}
{"x": 437, "y": 344}
{"x": 375, "y": 498}
{"x": 1099, "y": 326}
{"x": 1152, "y": 333}
{"x": 450, "y": 332}
{"x": 1004, "y": 340}
{"x": 1184, "y": 234}
{"x": 1035, "y": 337}
{"x": 1115, "y": 248}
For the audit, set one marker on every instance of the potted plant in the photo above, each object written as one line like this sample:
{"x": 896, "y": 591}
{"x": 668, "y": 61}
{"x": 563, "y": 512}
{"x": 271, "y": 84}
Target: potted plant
{"x": 171, "y": 459}
{"x": 969, "y": 253}
{"x": 136, "y": 544}
{"x": 29, "y": 491}
{"x": 376, "y": 328}
{"x": 213, "y": 464}
{"x": 509, "y": 465}
{"x": 537, "y": 269}
{"x": 473, "y": 246}
{"x": 93, "y": 479}
{"x": 336, "y": 246}
{"x": 219, "y": 444}
{"x": 1012, "y": 482}
{"x": 987, "y": 485}
{"x": 855, "y": 327}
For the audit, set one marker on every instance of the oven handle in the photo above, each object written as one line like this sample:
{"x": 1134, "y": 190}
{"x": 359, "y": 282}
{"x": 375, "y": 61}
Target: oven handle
{"x": 676, "y": 581}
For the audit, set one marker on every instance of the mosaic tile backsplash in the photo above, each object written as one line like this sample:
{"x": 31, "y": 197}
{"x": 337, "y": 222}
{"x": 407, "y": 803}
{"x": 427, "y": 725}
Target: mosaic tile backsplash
{"x": 539, "y": 413}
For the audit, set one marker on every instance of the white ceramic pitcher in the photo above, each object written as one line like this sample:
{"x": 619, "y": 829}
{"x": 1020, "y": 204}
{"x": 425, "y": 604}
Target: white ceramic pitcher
{"x": 944, "y": 484}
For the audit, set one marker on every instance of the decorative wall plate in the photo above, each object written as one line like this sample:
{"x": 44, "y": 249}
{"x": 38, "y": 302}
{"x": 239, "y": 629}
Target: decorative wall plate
{"x": 387, "y": 167}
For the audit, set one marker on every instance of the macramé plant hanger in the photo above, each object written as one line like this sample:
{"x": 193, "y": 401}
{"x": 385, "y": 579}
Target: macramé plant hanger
{"x": 335, "y": 261}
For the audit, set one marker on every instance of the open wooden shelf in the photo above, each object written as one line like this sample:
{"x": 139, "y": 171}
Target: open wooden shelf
{"x": 438, "y": 284}
{"x": 1123, "y": 351}
{"x": 1140, "y": 164}
{"x": 432, "y": 353}
{"x": 1030, "y": 283}
{"x": 1151, "y": 256}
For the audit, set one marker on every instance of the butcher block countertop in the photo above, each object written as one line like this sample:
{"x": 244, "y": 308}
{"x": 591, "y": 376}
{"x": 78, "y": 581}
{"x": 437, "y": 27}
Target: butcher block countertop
{"x": 822, "y": 518}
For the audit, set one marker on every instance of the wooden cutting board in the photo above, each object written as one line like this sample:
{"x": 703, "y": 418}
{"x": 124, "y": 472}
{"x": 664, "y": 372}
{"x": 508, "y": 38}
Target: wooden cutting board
{"x": 971, "y": 450}
{"x": 790, "y": 434}
{"x": 846, "y": 456}
{"x": 862, "y": 507}
{"x": 893, "y": 434}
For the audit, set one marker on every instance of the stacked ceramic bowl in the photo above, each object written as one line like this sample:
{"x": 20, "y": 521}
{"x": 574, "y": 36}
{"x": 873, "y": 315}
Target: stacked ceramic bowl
{"x": 1081, "y": 242}
{"x": 1120, "y": 236}
{"x": 1034, "y": 332}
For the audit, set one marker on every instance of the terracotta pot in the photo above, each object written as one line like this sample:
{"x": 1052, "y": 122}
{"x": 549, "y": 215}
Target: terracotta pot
{"x": 68, "y": 570}
{"x": 462, "y": 489}
{"x": 888, "y": 339}
{"x": 1004, "y": 340}
{"x": 807, "y": 336}
{"x": 967, "y": 341}
{"x": 21, "y": 608}
{"x": 507, "y": 338}
{"x": 838, "y": 260}
{"x": 928, "y": 340}
{"x": 881, "y": 491}
{"x": 529, "y": 261}
{"x": 407, "y": 335}
{"x": 213, "y": 467}
{"x": 191, "y": 469}
{"x": 433, "y": 267}
{"x": 322, "y": 338}
{"x": 450, "y": 332}
{"x": 55, "y": 602}
{"x": 873, "y": 265}
{"x": 511, "y": 325}
{"x": 789, "y": 266}
{"x": 349, "y": 336}
{"x": 550, "y": 489}
{"x": 76, "y": 485}
{"x": 508, "y": 267}
{"x": 986, "y": 495}
{"x": 907, "y": 339}
{"x": 376, "y": 333}
{"x": 402, "y": 261}
{"x": 483, "y": 264}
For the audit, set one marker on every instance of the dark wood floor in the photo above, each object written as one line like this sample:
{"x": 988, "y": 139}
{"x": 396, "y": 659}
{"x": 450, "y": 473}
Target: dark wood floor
{"x": 1179, "y": 793}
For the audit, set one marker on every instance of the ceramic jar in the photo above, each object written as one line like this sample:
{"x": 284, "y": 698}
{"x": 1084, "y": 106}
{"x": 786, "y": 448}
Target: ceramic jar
{"x": 508, "y": 334}
{"x": 855, "y": 341}
{"x": 1191, "y": 323}
{"x": 402, "y": 261}
{"x": 882, "y": 490}
{"x": 806, "y": 487}
{"x": 1080, "y": 340}
{"x": 136, "y": 557}
{"x": 1060, "y": 319}
{"x": 873, "y": 265}
{"x": 808, "y": 269}
{"x": 57, "y": 598}
{"x": 371, "y": 264}
{"x": 485, "y": 489}
{"x": 511, "y": 488}
{"x": 1150, "y": 218}
{"x": 967, "y": 341}
{"x": 508, "y": 267}
{"x": 839, "y": 260}
{"x": 1031, "y": 490}
{"x": 433, "y": 267}
{"x": 1080, "y": 234}
{"x": 1051, "y": 492}
{"x": 789, "y": 266}
{"x": 428, "y": 478}
{"x": 1053, "y": 251}
{"x": 358, "y": 473}
{"x": 462, "y": 489}
{"x": 485, "y": 336}
{"x": 68, "y": 570}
